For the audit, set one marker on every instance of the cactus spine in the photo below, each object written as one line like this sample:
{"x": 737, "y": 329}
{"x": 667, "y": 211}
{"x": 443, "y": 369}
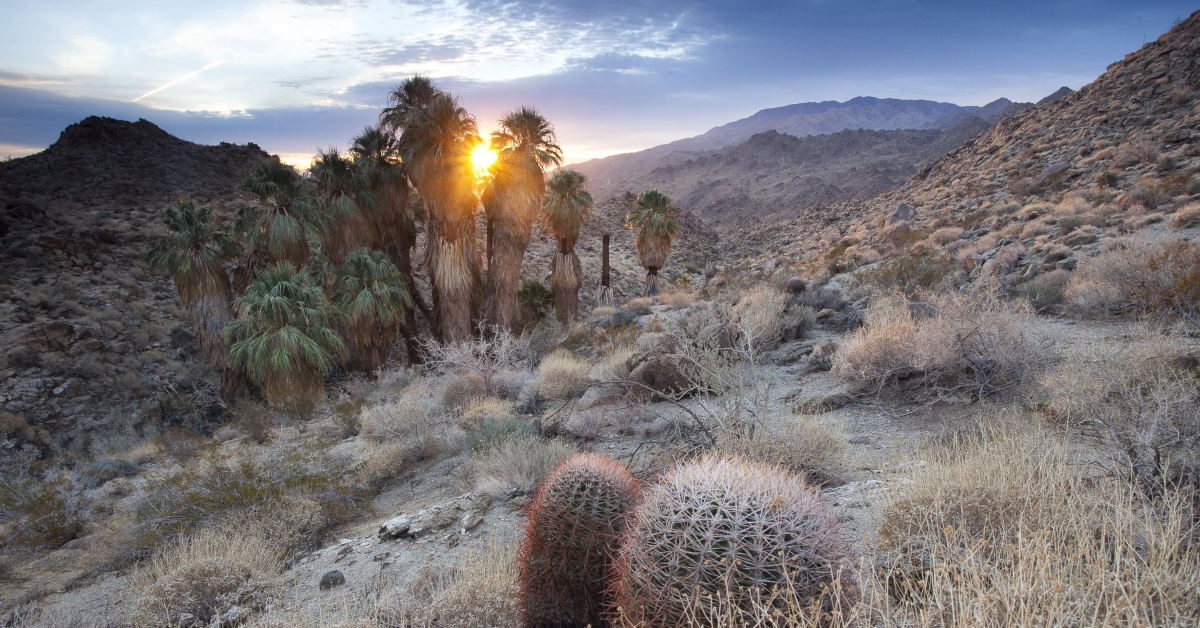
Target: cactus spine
{"x": 574, "y": 523}
{"x": 722, "y": 535}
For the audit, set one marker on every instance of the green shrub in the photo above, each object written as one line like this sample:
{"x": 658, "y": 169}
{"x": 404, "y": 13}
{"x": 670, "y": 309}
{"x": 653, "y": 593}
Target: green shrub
{"x": 39, "y": 514}
{"x": 491, "y": 430}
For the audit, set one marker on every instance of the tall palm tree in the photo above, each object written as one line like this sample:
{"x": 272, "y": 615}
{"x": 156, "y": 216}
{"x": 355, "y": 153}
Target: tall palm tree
{"x": 276, "y": 229}
{"x": 394, "y": 224}
{"x": 413, "y": 94}
{"x": 194, "y": 252}
{"x": 284, "y": 336}
{"x": 566, "y": 207}
{"x": 373, "y": 297}
{"x": 435, "y": 145}
{"x": 526, "y": 145}
{"x": 656, "y": 218}
{"x": 346, "y": 201}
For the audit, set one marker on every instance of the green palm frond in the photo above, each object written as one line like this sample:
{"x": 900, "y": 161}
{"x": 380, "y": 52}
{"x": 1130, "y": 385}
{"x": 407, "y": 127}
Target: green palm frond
{"x": 526, "y": 140}
{"x": 284, "y": 326}
{"x": 193, "y": 244}
{"x": 655, "y": 214}
{"x": 567, "y": 204}
{"x": 287, "y": 212}
{"x": 371, "y": 286}
{"x": 412, "y": 94}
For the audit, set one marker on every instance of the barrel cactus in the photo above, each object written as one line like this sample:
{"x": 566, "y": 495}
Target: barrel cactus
{"x": 720, "y": 535}
{"x": 575, "y": 521}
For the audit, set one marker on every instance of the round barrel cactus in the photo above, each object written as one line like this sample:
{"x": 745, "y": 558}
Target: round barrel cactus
{"x": 719, "y": 535}
{"x": 575, "y": 521}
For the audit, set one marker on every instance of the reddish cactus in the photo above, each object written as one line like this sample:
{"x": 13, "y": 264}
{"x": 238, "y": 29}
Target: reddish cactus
{"x": 721, "y": 535}
{"x": 574, "y": 523}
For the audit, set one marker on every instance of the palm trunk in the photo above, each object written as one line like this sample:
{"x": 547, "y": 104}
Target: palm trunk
{"x": 208, "y": 300}
{"x": 604, "y": 296}
{"x": 404, "y": 262}
{"x": 564, "y": 282}
{"x": 651, "y": 282}
{"x": 456, "y": 281}
{"x": 512, "y": 232}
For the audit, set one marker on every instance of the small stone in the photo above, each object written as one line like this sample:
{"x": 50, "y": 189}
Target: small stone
{"x": 332, "y": 580}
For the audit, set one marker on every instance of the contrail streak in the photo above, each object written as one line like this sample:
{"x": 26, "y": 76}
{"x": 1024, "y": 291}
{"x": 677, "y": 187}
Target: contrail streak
{"x": 180, "y": 79}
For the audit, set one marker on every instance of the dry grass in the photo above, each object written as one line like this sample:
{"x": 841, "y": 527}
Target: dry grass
{"x": 1143, "y": 275}
{"x": 1187, "y": 216}
{"x": 481, "y": 408}
{"x": 958, "y": 343}
{"x": 1007, "y": 530}
{"x": 1005, "y": 261}
{"x": 759, "y": 315}
{"x": 212, "y": 574}
{"x": 800, "y": 443}
{"x": 678, "y": 299}
{"x": 562, "y": 375}
{"x": 945, "y": 235}
{"x": 478, "y": 591}
{"x": 614, "y": 364}
{"x": 514, "y": 466}
{"x": 411, "y": 416}
{"x": 1138, "y": 398}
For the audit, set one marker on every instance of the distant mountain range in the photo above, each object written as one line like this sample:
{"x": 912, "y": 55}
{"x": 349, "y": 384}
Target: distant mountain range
{"x": 779, "y": 161}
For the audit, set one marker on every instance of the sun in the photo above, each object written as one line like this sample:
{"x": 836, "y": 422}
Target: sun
{"x": 482, "y": 159}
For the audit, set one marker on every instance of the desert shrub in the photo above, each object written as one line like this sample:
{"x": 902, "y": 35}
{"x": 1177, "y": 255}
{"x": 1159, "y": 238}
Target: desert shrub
{"x": 1152, "y": 277}
{"x": 945, "y": 235}
{"x": 1069, "y": 223}
{"x": 799, "y": 444}
{"x": 1139, "y": 399}
{"x": 482, "y": 408}
{"x": 677, "y": 299}
{"x": 491, "y": 430}
{"x": 413, "y": 417}
{"x": 1144, "y": 197}
{"x": 1035, "y": 229}
{"x": 212, "y": 578}
{"x": 562, "y": 375}
{"x": 908, "y": 273}
{"x": 957, "y": 343}
{"x": 1187, "y": 216}
{"x": 216, "y": 485}
{"x": 574, "y": 522}
{"x": 514, "y": 466}
{"x": 1073, "y": 204}
{"x": 480, "y": 591}
{"x": 751, "y": 531}
{"x": 759, "y": 316}
{"x": 1046, "y": 291}
{"x": 535, "y": 297}
{"x": 640, "y": 306}
{"x": 613, "y": 364}
{"x": 484, "y": 356}
{"x": 37, "y": 513}
{"x": 820, "y": 297}
{"x": 1005, "y": 261}
{"x": 988, "y": 521}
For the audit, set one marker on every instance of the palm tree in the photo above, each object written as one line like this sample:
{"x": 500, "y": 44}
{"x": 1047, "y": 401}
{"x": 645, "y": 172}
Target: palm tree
{"x": 284, "y": 336}
{"x": 414, "y": 94}
{"x": 435, "y": 145}
{"x": 526, "y": 145}
{"x": 346, "y": 200}
{"x": 394, "y": 225}
{"x": 373, "y": 297}
{"x": 656, "y": 217}
{"x": 566, "y": 206}
{"x": 194, "y": 252}
{"x": 276, "y": 229}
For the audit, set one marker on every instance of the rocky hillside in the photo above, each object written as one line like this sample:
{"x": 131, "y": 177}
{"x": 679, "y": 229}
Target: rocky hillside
{"x": 1120, "y": 155}
{"x": 91, "y": 341}
{"x": 799, "y": 120}
{"x": 773, "y": 175}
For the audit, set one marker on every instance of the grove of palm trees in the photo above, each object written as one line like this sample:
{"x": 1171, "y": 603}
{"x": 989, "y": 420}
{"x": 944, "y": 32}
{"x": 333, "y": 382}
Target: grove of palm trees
{"x": 344, "y": 233}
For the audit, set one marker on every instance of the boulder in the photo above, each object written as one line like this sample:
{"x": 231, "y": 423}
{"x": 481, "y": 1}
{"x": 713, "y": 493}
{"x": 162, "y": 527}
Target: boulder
{"x": 332, "y": 580}
{"x": 661, "y": 368}
{"x": 902, "y": 213}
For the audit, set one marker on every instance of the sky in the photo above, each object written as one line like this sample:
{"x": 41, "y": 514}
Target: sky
{"x": 612, "y": 75}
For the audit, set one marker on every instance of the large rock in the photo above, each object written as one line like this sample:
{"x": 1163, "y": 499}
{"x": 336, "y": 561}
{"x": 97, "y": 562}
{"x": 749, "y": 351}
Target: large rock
{"x": 902, "y": 213}
{"x": 661, "y": 368}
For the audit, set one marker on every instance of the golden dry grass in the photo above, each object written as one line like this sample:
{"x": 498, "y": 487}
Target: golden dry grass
{"x": 798, "y": 443}
{"x": 481, "y": 408}
{"x": 562, "y": 375}
{"x": 210, "y": 574}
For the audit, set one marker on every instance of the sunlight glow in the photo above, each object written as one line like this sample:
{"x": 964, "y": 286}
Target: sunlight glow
{"x": 482, "y": 159}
